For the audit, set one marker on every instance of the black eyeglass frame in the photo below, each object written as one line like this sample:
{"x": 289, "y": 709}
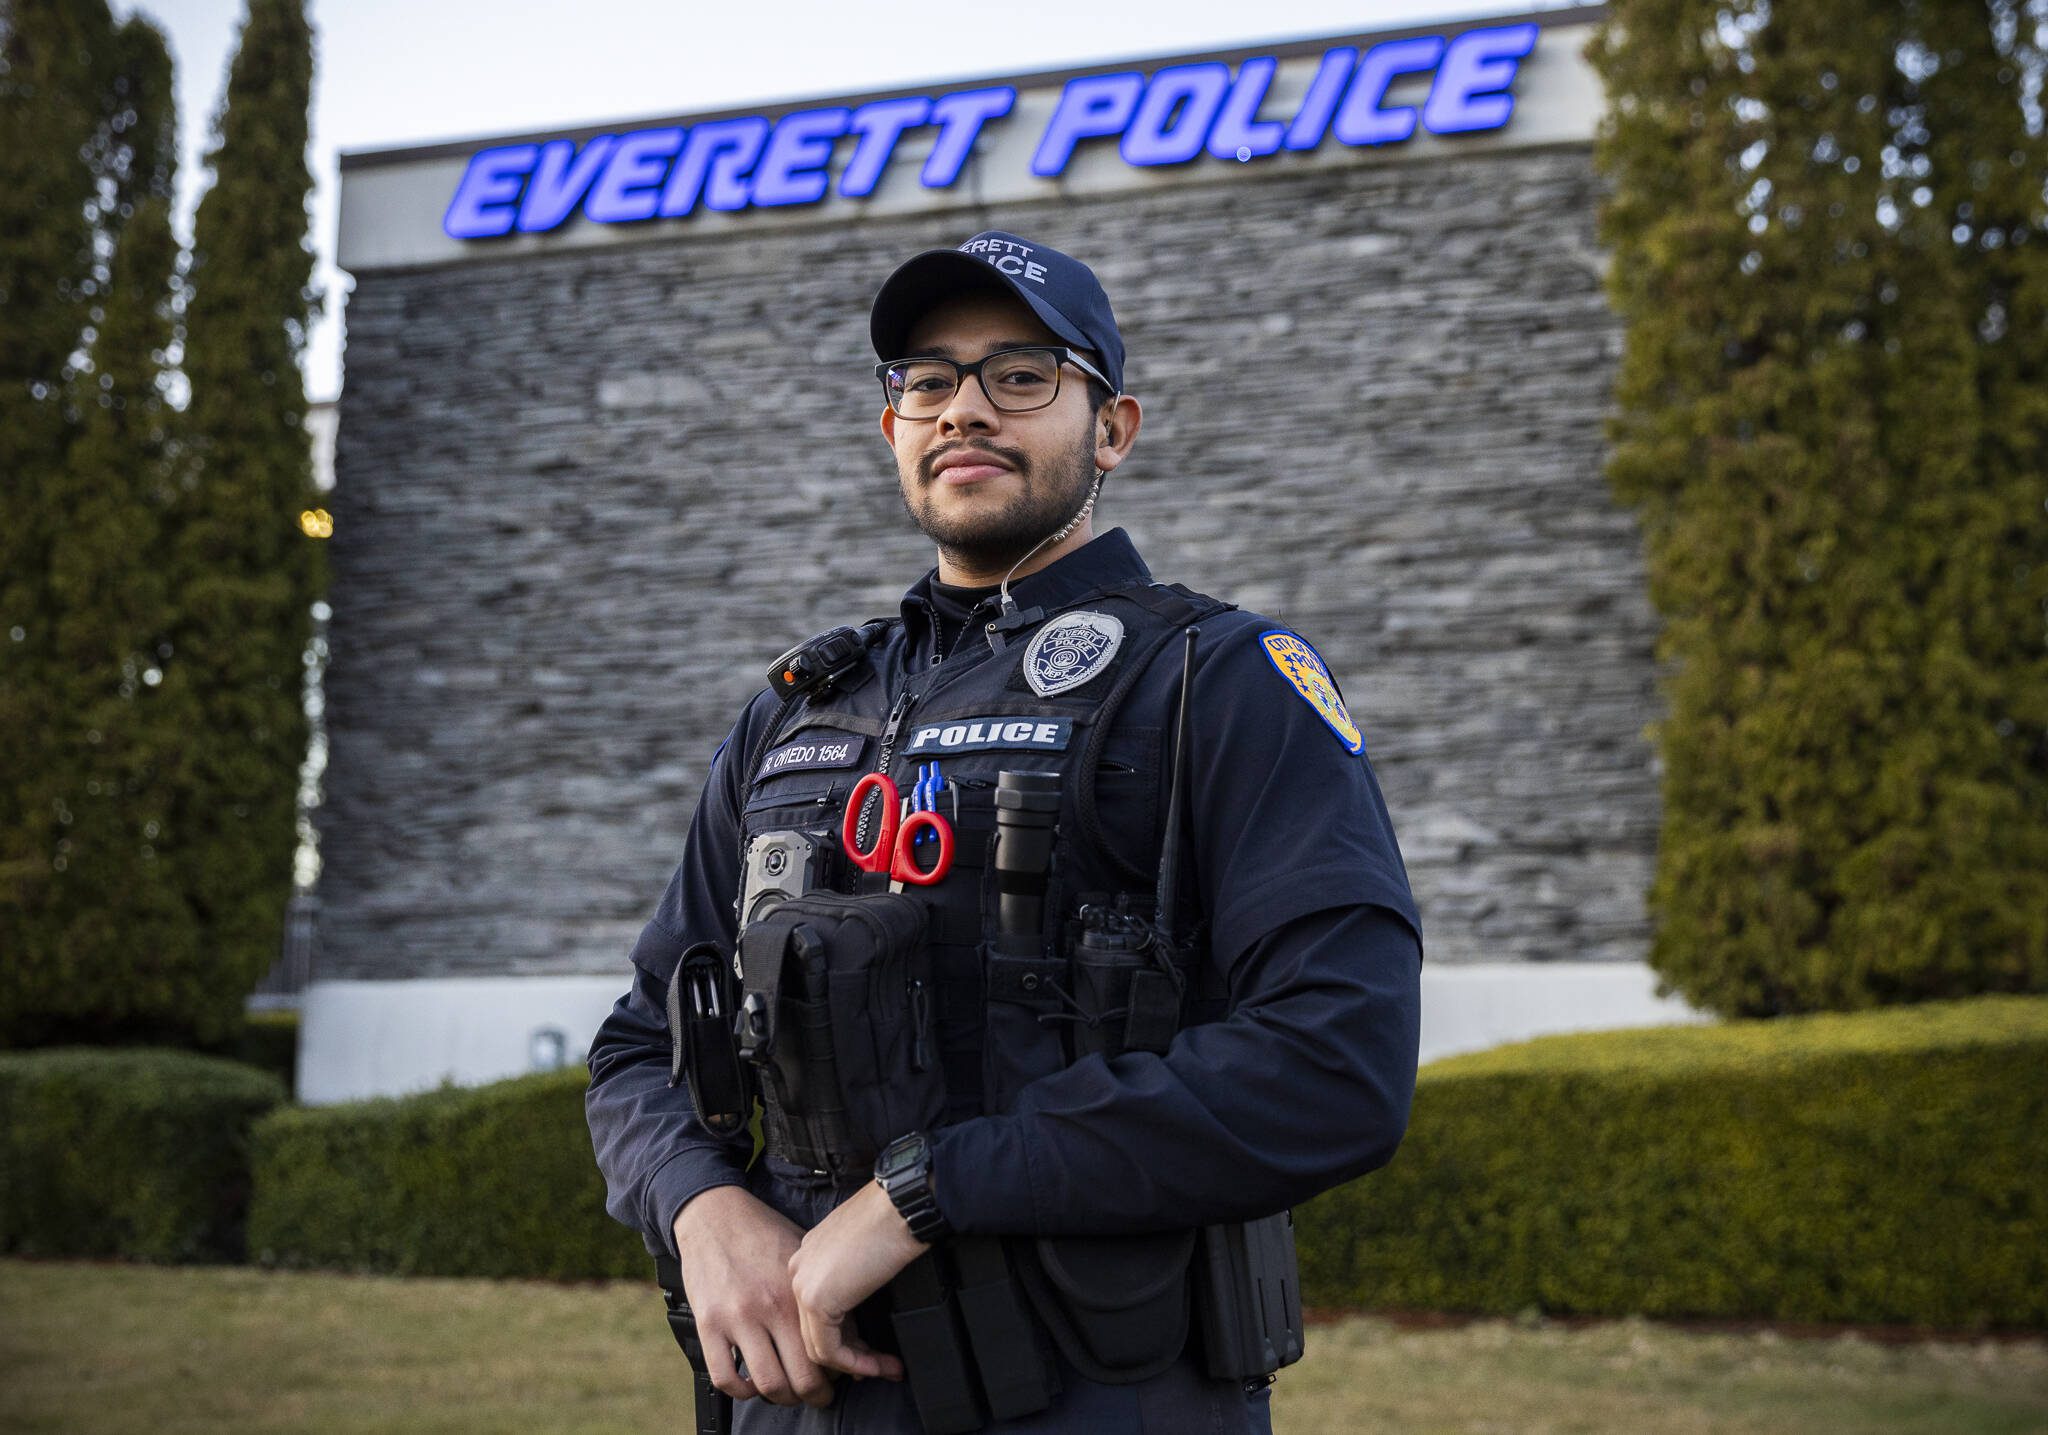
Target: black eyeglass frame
{"x": 961, "y": 371}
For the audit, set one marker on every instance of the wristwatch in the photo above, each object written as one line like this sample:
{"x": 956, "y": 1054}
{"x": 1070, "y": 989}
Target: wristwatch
{"x": 904, "y": 1170}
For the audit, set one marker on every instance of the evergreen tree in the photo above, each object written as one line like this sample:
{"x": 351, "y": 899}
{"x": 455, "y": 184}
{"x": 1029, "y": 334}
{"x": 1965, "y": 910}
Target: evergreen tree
{"x": 59, "y": 169}
{"x": 50, "y": 51}
{"x": 113, "y": 954}
{"x": 1827, "y": 223}
{"x": 243, "y": 573}
{"x": 46, "y": 123}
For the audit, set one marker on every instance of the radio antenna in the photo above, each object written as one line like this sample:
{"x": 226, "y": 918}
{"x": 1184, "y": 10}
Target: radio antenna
{"x": 1169, "y": 850}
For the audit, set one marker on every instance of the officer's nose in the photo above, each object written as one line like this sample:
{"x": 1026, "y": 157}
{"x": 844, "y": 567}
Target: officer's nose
{"x": 968, "y": 411}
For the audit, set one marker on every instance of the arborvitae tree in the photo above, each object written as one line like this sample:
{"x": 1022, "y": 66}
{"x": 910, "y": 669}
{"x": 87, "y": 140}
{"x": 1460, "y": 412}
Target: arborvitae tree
{"x": 59, "y": 160}
{"x": 50, "y": 51}
{"x": 1987, "y": 164}
{"x": 1827, "y": 224}
{"x": 113, "y": 954}
{"x": 244, "y": 575}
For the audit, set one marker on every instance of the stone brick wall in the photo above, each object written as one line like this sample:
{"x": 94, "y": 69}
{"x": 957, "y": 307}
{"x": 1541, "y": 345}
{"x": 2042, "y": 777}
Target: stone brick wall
{"x": 584, "y": 499}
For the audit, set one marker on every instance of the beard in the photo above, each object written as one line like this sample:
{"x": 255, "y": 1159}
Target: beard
{"x": 988, "y": 542}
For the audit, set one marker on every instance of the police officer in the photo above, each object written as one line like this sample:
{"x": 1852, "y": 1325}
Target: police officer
{"x": 1005, "y": 410}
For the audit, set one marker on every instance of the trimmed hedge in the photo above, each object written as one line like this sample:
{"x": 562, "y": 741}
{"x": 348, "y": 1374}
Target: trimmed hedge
{"x": 1887, "y": 1166}
{"x": 494, "y": 1180}
{"x": 141, "y": 1153}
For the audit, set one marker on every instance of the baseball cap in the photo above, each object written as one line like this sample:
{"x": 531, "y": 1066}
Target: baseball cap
{"x": 1062, "y": 291}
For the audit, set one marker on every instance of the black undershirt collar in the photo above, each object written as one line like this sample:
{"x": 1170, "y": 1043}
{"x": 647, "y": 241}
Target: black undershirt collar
{"x": 952, "y": 607}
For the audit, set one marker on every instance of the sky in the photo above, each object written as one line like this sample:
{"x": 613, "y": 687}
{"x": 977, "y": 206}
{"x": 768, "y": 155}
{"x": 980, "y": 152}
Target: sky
{"x": 399, "y": 72}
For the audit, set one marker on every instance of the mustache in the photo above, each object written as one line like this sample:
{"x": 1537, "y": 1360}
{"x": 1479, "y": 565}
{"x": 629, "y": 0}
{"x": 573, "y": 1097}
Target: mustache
{"x": 1014, "y": 457}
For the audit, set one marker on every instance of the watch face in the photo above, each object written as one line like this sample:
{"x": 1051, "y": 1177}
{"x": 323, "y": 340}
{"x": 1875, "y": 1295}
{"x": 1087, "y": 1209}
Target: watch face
{"x": 900, "y": 1156}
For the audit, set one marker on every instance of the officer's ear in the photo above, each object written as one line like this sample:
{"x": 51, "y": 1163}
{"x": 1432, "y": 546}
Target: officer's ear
{"x": 889, "y": 427}
{"x": 1116, "y": 430}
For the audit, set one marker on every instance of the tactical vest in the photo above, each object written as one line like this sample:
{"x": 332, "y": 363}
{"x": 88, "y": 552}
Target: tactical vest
{"x": 997, "y": 1021}
{"x": 934, "y": 970}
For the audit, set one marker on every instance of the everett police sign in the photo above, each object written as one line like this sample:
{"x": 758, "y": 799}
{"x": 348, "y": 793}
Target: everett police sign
{"x": 1167, "y": 117}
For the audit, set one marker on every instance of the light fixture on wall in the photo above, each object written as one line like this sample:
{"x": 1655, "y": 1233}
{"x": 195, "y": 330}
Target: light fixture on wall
{"x": 547, "y": 1049}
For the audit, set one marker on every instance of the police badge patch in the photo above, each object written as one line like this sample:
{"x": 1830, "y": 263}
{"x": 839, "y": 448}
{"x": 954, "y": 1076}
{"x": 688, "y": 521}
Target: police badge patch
{"x": 1070, "y": 650}
{"x": 1302, "y": 666}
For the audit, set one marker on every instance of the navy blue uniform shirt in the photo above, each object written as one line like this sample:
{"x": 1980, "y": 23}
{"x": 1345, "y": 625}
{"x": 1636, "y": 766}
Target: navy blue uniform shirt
{"x": 1308, "y": 1081}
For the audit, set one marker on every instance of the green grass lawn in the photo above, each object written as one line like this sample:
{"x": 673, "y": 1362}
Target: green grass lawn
{"x": 109, "y": 1348}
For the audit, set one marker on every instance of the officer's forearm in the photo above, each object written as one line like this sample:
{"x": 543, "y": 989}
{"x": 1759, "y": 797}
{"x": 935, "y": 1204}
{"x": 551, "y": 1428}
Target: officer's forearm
{"x": 1307, "y": 1084}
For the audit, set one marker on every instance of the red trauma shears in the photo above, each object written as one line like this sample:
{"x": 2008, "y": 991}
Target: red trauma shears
{"x": 896, "y": 837}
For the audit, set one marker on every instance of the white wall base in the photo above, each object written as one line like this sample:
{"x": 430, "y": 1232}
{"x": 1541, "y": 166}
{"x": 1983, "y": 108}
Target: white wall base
{"x": 1474, "y": 1006}
{"x": 360, "y": 1039}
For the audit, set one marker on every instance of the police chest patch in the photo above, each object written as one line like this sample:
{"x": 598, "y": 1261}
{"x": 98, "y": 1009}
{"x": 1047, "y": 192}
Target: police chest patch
{"x": 1070, "y": 650}
{"x": 1303, "y": 667}
{"x": 990, "y": 734}
{"x": 812, "y": 753}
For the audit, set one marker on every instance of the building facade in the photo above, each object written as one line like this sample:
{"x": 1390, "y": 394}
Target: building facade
{"x": 569, "y": 536}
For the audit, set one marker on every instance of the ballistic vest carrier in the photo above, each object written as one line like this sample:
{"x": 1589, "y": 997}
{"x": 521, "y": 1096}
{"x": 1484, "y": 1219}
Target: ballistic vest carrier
{"x": 844, "y": 982}
{"x": 977, "y": 714}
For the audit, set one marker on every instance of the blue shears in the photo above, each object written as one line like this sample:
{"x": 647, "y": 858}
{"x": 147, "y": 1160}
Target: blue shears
{"x": 924, "y": 796}
{"x": 898, "y": 833}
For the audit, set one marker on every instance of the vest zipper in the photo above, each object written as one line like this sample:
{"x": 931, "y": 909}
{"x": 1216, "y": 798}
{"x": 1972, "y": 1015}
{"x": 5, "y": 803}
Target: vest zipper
{"x": 892, "y": 728}
{"x": 886, "y": 755}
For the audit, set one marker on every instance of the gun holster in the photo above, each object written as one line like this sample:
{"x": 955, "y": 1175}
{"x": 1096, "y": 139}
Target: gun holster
{"x": 1248, "y": 1296}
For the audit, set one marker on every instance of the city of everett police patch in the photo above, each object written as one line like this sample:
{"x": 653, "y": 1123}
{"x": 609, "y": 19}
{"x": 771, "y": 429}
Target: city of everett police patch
{"x": 1303, "y": 667}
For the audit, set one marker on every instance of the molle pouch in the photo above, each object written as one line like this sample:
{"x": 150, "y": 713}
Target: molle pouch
{"x": 868, "y": 1006}
{"x": 784, "y": 1033}
{"x": 1127, "y": 992}
{"x": 1116, "y": 1306}
{"x": 1028, "y": 1010}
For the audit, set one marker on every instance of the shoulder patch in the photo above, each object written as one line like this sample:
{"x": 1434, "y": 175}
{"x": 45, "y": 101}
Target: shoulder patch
{"x": 1304, "y": 669}
{"x": 1070, "y": 650}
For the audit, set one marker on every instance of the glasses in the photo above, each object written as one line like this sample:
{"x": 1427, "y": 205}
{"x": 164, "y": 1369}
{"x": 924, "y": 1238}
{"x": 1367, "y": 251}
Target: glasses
{"x": 1015, "y": 380}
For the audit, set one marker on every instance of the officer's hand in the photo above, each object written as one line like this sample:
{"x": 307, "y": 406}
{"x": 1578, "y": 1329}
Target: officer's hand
{"x": 844, "y": 1259}
{"x": 735, "y": 1256}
